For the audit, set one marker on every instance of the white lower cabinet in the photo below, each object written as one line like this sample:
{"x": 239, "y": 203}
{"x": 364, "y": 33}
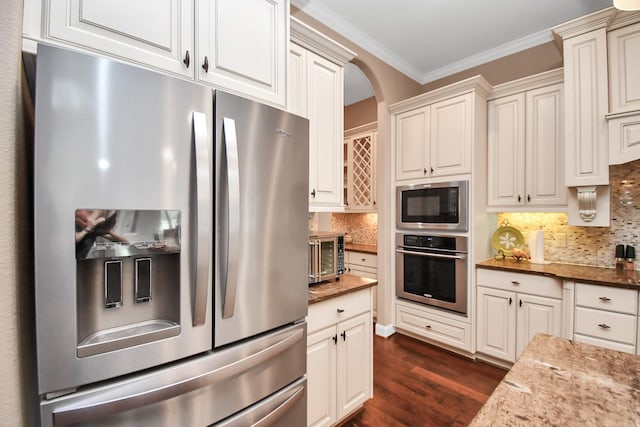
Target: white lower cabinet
{"x": 365, "y": 265}
{"x": 421, "y": 321}
{"x": 512, "y": 308}
{"x": 339, "y": 357}
{"x": 606, "y": 316}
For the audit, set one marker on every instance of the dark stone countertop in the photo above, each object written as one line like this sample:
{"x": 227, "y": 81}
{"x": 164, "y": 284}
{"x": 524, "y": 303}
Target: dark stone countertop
{"x": 333, "y": 288}
{"x": 557, "y": 382}
{"x": 359, "y": 247}
{"x": 578, "y": 273}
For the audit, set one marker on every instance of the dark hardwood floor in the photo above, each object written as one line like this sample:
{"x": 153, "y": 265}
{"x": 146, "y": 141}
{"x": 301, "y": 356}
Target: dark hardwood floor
{"x": 417, "y": 384}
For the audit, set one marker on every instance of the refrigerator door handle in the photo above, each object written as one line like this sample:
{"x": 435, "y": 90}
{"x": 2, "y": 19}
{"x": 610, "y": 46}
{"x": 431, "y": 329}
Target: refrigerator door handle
{"x": 203, "y": 192}
{"x": 292, "y": 396}
{"x": 134, "y": 397}
{"x": 233, "y": 180}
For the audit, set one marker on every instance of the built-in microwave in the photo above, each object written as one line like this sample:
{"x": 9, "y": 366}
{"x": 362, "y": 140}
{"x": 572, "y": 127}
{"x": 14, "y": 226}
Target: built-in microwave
{"x": 435, "y": 206}
{"x": 326, "y": 256}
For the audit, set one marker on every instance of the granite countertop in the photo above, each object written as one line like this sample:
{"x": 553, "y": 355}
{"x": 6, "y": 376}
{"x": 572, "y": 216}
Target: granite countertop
{"x": 580, "y": 273}
{"x": 359, "y": 247}
{"x": 333, "y": 288}
{"x": 563, "y": 383}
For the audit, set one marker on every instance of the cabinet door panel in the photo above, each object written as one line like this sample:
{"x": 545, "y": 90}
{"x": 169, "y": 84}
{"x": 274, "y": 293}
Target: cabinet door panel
{"x": 412, "y": 135}
{"x": 155, "y": 33}
{"x": 354, "y": 351}
{"x": 545, "y": 147}
{"x": 321, "y": 376}
{"x": 537, "y": 314}
{"x": 325, "y": 106}
{"x": 586, "y": 104}
{"x": 506, "y": 146}
{"x": 496, "y": 323}
{"x": 297, "y": 81}
{"x": 624, "y": 66}
{"x": 245, "y": 45}
{"x": 450, "y": 136}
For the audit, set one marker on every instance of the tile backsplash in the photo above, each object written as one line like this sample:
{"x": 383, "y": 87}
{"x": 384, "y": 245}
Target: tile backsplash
{"x": 363, "y": 226}
{"x": 590, "y": 245}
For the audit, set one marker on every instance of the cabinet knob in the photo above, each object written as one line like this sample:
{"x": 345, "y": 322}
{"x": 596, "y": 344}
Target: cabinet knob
{"x": 519, "y": 198}
{"x": 187, "y": 59}
{"x": 205, "y": 65}
{"x": 515, "y": 282}
{"x": 344, "y": 335}
{"x": 431, "y": 169}
{"x": 340, "y": 310}
{"x": 335, "y": 339}
{"x": 520, "y": 303}
{"x": 528, "y": 197}
{"x": 604, "y": 299}
{"x": 428, "y": 326}
{"x": 313, "y": 193}
{"x": 510, "y": 300}
{"x": 604, "y": 326}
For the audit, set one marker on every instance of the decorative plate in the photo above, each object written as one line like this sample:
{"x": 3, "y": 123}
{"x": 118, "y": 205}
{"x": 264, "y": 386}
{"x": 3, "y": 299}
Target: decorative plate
{"x": 506, "y": 238}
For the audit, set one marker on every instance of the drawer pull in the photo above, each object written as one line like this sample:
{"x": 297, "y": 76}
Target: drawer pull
{"x": 605, "y": 299}
{"x": 335, "y": 339}
{"x": 515, "y": 282}
{"x": 363, "y": 259}
{"x": 344, "y": 335}
{"x": 340, "y": 310}
{"x": 604, "y": 326}
{"x": 428, "y": 326}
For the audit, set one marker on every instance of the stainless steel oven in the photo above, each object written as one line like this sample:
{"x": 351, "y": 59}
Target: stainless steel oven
{"x": 432, "y": 269}
{"x": 433, "y": 206}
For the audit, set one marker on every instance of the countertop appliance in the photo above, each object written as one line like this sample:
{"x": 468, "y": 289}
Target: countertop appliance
{"x": 170, "y": 236}
{"x": 433, "y": 206}
{"x": 432, "y": 270}
{"x": 326, "y": 256}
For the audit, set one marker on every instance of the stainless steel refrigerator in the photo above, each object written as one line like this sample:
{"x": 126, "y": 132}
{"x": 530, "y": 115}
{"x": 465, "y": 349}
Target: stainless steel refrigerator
{"x": 170, "y": 228}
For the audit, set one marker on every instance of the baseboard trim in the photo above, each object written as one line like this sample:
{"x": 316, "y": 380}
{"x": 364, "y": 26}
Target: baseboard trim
{"x": 385, "y": 331}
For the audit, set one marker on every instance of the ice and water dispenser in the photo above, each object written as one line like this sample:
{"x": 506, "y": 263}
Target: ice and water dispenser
{"x": 127, "y": 278}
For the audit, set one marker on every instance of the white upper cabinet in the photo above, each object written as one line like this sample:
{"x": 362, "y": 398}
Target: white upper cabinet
{"x": 526, "y": 145}
{"x": 624, "y": 94}
{"x": 359, "y": 169}
{"x": 236, "y": 45}
{"x": 316, "y": 91}
{"x": 155, "y": 33}
{"x": 242, "y": 46}
{"x": 434, "y": 133}
{"x": 586, "y": 100}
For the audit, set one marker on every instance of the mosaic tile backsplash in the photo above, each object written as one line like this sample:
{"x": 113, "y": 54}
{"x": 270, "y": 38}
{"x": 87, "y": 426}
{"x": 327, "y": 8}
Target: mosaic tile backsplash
{"x": 590, "y": 245}
{"x": 362, "y": 226}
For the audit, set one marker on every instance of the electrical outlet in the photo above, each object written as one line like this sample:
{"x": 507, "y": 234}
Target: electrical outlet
{"x": 561, "y": 240}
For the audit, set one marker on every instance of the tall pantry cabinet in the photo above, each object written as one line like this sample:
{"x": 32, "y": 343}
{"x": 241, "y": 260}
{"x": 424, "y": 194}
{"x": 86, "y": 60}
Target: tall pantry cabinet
{"x": 316, "y": 91}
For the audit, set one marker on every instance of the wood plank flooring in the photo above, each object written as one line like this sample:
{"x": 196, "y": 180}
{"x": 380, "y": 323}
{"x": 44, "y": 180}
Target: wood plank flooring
{"x": 417, "y": 384}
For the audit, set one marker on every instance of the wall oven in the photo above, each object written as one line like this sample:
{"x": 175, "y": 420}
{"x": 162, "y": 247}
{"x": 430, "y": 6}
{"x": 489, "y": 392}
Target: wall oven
{"x": 435, "y": 206}
{"x": 432, "y": 269}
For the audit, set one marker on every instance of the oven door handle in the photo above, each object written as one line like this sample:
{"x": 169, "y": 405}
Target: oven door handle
{"x": 430, "y": 255}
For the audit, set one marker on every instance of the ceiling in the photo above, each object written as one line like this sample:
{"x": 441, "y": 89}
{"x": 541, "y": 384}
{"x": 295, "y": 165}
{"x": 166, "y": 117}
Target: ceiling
{"x": 431, "y": 39}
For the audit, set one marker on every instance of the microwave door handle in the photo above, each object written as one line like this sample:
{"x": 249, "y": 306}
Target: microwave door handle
{"x": 203, "y": 225}
{"x": 430, "y": 255}
{"x": 233, "y": 224}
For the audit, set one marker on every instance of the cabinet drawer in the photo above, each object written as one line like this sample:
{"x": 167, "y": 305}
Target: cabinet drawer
{"x": 437, "y": 328}
{"x": 363, "y": 259}
{"x": 605, "y": 343}
{"x": 520, "y": 282}
{"x": 607, "y": 298}
{"x": 334, "y": 310}
{"x": 606, "y": 325}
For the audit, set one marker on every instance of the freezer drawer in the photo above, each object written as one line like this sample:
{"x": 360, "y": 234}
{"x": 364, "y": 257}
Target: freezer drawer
{"x": 197, "y": 392}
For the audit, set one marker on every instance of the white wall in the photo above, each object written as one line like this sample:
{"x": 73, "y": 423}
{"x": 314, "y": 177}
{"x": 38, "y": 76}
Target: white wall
{"x": 16, "y": 374}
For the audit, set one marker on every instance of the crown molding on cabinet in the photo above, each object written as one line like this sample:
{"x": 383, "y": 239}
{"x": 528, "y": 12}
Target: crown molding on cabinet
{"x": 584, "y": 24}
{"x": 369, "y": 127}
{"x": 314, "y": 40}
{"x": 546, "y": 78}
{"x": 476, "y": 84}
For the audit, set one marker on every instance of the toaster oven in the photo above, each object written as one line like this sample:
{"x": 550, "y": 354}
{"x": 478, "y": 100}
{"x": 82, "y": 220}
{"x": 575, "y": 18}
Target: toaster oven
{"x": 326, "y": 256}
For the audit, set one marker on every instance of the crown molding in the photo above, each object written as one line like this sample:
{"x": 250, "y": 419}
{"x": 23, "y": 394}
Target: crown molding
{"x": 369, "y": 127}
{"x": 527, "y": 83}
{"x": 506, "y": 49}
{"x": 623, "y": 18}
{"x": 584, "y": 24}
{"x": 476, "y": 84}
{"x": 314, "y": 40}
